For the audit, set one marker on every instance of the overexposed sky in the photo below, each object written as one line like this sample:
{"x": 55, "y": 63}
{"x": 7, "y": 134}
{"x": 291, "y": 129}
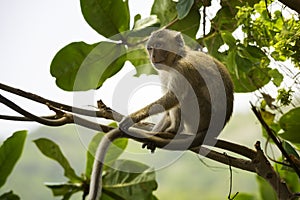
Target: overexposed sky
{"x": 32, "y": 32}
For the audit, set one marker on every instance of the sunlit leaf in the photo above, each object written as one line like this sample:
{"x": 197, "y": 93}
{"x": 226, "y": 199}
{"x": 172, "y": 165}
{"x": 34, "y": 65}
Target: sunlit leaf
{"x": 107, "y": 17}
{"x": 10, "y": 152}
{"x": 277, "y": 77}
{"x": 267, "y": 116}
{"x": 52, "y": 150}
{"x": 244, "y": 196}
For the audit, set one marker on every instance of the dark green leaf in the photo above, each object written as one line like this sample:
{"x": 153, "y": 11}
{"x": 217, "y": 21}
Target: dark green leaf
{"x": 130, "y": 180}
{"x": 289, "y": 122}
{"x": 10, "y": 152}
{"x": 165, "y": 11}
{"x": 265, "y": 189}
{"x": 183, "y": 8}
{"x": 9, "y": 196}
{"x": 290, "y": 149}
{"x": 189, "y": 25}
{"x": 231, "y": 64}
{"x": 228, "y": 39}
{"x": 251, "y": 81}
{"x": 107, "y": 17}
{"x": 243, "y": 64}
{"x": 255, "y": 52}
{"x": 52, "y": 150}
{"x": 80, "y": 66}
{"x": 114, "y": 151}
{"x": 140, "y": 59}
{"x": 213, "y": 43}
{"x": 64, "y": 189}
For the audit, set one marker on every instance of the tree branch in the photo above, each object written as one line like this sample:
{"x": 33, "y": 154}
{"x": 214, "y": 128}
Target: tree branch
{"x": 278, "y": 143}
{"x": 265, "y": 170}
{"x": 293, "y": 4}
{"x": 255, "y": 162}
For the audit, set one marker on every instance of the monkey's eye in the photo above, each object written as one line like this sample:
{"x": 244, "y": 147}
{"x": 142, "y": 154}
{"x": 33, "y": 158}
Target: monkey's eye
{"x": 157, "y": 45}
{"x": 149, "y": 48}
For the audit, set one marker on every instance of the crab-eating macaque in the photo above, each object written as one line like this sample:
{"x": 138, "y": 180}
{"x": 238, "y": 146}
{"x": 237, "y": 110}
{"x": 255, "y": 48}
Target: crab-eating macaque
{"x": 197, "y": 100}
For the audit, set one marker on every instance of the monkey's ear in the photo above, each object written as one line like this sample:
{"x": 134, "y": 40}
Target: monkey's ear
{"x": 179, "y": 39}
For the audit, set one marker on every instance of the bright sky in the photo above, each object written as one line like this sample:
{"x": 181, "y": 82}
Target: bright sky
{"x": 32, "y": 32}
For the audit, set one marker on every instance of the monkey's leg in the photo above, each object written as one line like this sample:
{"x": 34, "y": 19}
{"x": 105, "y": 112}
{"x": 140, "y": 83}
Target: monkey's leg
{"x": 175, "y": 117}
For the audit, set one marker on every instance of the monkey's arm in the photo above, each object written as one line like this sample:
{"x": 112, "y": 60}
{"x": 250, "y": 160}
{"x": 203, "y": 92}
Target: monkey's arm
{"x": 168, "y": 101}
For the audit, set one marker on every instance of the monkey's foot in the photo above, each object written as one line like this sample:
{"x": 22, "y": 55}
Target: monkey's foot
{"x": 150, "y": 146}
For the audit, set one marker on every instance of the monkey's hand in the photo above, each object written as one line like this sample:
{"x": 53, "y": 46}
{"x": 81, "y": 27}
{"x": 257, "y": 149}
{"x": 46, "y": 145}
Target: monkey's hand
{"x": 125, "y": 123}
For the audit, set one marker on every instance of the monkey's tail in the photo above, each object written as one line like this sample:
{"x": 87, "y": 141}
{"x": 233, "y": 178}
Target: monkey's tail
{"x": 96, "y": 177}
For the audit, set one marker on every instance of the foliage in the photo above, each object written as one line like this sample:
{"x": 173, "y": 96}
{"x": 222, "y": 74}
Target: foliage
{"x": 267, "y": 38}
{"x": 10, "y": 152}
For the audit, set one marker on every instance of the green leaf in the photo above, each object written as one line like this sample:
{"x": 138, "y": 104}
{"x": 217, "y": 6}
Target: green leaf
{"x": 244, "y": 196}
{"x": 228, "y": 39}
{"x": 213, "y": 43}
{"x": 80, "y": 66}
{"x": 146, "y": 22}
{"x": 140, "y": 59}
{"x": 64, "y": 189}
{"x": 10, "y": 152}
{"x": 255, "y": 52}
{"x": 289, "y": 122}
{"x": 290, "y": 149}
{"x": 277, "y": 77}
{"x": 9, "y": 196}
{"x": 244, "y": 64}
{"x": 107, "y": 17}
{"x": 52, "y": 150}
{"x": 265, "y": 189}
{"x": 189, "y": 25}
{"x": 183, "y": 8}
{"x": 130, "y": 180}
{"x": 250, "y": 81}
{"x": 114, "y": 151}
{"x": 165, "y": 11}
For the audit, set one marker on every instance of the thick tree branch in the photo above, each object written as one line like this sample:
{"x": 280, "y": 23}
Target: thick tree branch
{"x": 292, "y": 4}
{"x": 107, "y": 113}
{"x": 255, "y": 162}
{"x": 265, "y": 170}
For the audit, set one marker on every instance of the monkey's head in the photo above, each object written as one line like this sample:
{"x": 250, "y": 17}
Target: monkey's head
{"x": 164, "y": 47}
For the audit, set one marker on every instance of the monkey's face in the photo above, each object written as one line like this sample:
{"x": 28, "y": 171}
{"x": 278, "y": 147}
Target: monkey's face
{"x": 164, "y": 47}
